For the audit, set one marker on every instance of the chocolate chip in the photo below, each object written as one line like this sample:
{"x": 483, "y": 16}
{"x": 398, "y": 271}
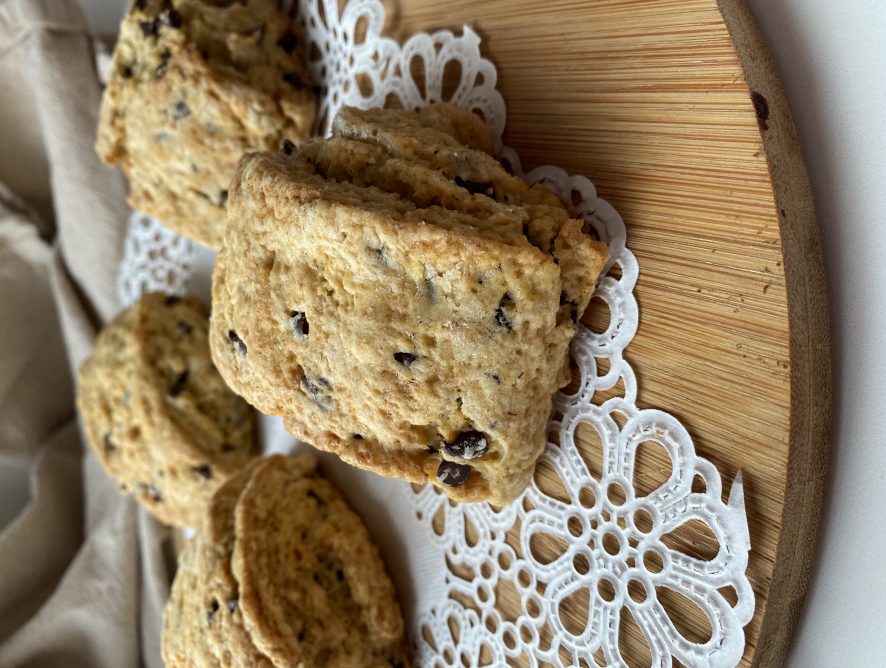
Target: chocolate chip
{"x": 310, "y": 387}
{"x": 232, "y": 603}
{"x": 179, "y": 385}
{"x": 294, "y": 80}
{"x": 288, "y": 41}
{"x": 475, "y": 187}
{"x": 203, "y": 470}
{"x": 213, "y": 608}
{"x": 150, "y": 491}
{"x": 298, "y": 322}
{"x": 223, "y": 198}
{"x": 357, "y": 437}
{"x": 171, "y": 300}
{"x": 288, "y": 147}
{"x": 180, "y": 110}
{"x": 227, "y": 447}
{"x": 406, "y": 359}
{"x": 126, "y": 72}
{"x": 171, "y": 18}
{"x": 237, "y": 342}
{"x": 300, "y": 636}
{"x": 500, "y": 317}
{"x": 468, "y": 445}
{"x": 452, "y": 474}
{"x": 109, "y": 445}
{"x": 164, "y": 64}
{"x": 185, "y": 328}
{"x": 318, "y": 390}
{"x": 339, "y": 575}
{"x": 149, "y": 28}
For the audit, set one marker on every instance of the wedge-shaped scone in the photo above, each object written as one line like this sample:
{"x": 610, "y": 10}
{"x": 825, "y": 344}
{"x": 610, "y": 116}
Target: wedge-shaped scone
{"x": 412, "y": 342}
{"x": 284, "y": 574}
{"x": 195, "y": 84}
{"x": 156, "y": 412}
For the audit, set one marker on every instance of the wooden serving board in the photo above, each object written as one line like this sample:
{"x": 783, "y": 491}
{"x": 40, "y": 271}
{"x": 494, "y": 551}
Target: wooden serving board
{"x": 674, "y": 110}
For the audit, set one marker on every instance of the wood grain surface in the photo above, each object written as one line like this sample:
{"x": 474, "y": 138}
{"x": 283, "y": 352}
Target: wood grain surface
{"x": 673, "y": 109}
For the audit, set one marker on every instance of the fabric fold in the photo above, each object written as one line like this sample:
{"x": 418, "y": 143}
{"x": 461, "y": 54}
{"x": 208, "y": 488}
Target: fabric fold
{"x": 84, "y": 571}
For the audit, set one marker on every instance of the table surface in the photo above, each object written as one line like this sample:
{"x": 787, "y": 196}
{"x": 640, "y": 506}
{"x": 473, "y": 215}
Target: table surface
{"x": 832, "y": 59}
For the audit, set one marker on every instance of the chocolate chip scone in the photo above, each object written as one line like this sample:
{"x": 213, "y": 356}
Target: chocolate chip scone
{"x": 202, "y": 621}
{"x": 196, "y": 84}
{"x": 156, "y": 412}
{"x": 395, "y": 317}
{"x": 282, "y": 573}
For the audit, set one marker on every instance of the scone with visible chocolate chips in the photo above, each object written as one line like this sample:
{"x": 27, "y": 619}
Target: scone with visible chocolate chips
{"x": 196, "y": 84}
{"x": 395, "y": 313}
{"x": 157, "y": 413}
{"x": 282, "y": 573}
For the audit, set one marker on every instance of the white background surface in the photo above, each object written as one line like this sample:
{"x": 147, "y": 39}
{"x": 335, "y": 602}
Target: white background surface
{"x": 832, "y": 58}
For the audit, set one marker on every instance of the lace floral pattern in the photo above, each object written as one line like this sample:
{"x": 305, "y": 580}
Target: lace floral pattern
{"x": 154, "y": 258}
{"x": 608, "y": 551}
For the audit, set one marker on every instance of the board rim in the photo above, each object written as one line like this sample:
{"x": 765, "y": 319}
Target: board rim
{"x": 809, "y": 342}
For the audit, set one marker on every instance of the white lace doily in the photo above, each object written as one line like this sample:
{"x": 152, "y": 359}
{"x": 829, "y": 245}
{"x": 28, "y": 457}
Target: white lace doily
{"x": 458, "y": 563}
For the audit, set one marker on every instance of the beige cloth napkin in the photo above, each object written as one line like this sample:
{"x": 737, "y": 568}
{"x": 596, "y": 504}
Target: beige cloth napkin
{"x": 83, "y": 570}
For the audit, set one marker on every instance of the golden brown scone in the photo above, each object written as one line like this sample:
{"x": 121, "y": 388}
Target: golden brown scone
{"x": 157, "y": 413}
{"x": 282, "y": 573}
{"x": 396, "y": 312}
{"x": 196, "y": 84}
{"x": 202, "y": 621}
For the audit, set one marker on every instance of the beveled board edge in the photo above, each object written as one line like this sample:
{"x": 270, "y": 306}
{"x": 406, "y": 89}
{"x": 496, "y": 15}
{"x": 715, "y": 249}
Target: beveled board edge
{"x": 808, "y": 321}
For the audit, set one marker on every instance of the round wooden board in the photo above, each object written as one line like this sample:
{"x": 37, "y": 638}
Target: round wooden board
{"x": 673, "y": 109}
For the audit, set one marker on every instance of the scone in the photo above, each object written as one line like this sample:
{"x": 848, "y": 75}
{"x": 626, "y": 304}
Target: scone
{"x": 393, "y": 316}
{"x": 157, "y": 413}
{"x": 282, "y": 573}
{"x": 195, "y": 84}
